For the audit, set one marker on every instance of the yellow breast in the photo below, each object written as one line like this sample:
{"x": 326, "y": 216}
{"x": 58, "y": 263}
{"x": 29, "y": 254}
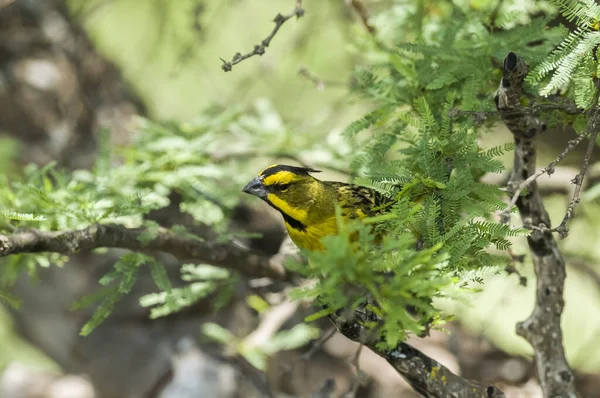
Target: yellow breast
{"x": 310, "y": 239}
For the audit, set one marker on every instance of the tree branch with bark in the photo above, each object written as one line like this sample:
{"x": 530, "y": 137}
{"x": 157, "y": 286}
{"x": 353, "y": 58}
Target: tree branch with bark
{"x": 542, "y": 328}
{"x": 424, "y": 374}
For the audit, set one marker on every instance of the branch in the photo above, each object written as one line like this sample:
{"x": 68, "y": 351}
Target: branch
{"x": 319, "y": 83}
{"x": 546, "y": 170}
{"x": 593, "y": 128}
{"x": 259, "y": 49}
{"x": 363, "y": 13}
{"x": 182, "y": 247}
{"x": 542, "y": 328}
{"x": 424, "y": 374}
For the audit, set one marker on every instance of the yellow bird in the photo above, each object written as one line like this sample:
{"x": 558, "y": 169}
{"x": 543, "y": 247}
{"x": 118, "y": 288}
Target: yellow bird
{"x": 308, "y": 204}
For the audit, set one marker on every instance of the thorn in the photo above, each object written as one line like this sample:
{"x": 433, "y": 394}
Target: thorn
{"x": 279, "y": 19}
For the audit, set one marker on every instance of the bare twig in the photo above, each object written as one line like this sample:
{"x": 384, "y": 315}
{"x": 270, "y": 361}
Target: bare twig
{"x": 358, "y": 379}
{"x": 184, "y": 248}
{"x": 535, "y": 108}
{"x": 259, "y": 49}
{"x": 542, "y": 328}
{"x": 565, "y": 107}
{"x": 546, "y": 170}
{"x": 478, "y": 117}
{"x": 319, "y": 344}
{"x": 512, "y": 267}
{"x": 363, "y": 13}
{"x": 318, "y": 82}
{"x": 593, "y": 128}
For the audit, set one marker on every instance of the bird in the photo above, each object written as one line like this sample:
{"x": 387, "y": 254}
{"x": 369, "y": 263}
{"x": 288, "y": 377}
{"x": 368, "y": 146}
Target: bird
{"x": 308, "y": 205}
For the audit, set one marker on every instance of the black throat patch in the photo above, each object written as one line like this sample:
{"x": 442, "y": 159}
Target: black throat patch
{"x": 292, "y": 222}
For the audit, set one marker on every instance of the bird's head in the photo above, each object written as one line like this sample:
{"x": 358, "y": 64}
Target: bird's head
{"x": 289, "y": 189}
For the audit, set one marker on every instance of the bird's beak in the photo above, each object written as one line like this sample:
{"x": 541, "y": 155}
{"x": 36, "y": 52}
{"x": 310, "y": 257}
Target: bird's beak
{"x": 256, "y": 188}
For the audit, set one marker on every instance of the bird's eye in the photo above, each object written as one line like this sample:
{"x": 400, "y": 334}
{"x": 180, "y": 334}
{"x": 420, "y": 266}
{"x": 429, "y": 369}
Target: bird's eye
{"x": 283, "y": 187}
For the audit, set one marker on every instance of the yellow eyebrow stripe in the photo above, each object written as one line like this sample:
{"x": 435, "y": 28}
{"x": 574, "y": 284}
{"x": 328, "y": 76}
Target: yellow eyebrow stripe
{"x": 284, "y": 207}
{"x": 283, "y": 177}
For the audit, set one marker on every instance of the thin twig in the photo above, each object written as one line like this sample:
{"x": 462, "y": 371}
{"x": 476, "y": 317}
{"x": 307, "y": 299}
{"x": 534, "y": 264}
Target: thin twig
{"x": 259, "y": 49}
{"x": 512, "y": 267}
{"x": 317, "y": 345}
{"x": 565, "y": 107}
{"x": 546, "y": 170}
{"x": 359, "y": 375}
{"x": 593, "y": 126}
{"x": 481, "y": 116}
{"x": 319, "y": 83}
{"x": 363, "y": 13}
{"x": 495, "y": 13}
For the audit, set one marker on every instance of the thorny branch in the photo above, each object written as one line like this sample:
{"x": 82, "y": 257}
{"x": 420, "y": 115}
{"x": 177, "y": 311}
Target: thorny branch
{"x": 593, "y": 128}
{"x": 546, "y": 170}
{"x": 542, "y": 328}
{"x": 259, "y": 49}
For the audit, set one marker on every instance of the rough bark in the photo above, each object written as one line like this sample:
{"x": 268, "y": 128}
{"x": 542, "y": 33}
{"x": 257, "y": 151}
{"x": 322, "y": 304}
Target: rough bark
{"x": 542, "y": 329}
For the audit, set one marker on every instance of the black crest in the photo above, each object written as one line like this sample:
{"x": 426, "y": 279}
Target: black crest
{"x": 292, "y": 169}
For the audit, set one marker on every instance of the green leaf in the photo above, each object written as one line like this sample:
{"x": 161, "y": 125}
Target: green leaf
{"x": 296, "y": 337}
{"x": 100, "y": 314}
{"x": 10, "y": 299}
{"x": 12, "y": 215}
{"x": 218, "y": 333}
{"x": 257, "y": 303}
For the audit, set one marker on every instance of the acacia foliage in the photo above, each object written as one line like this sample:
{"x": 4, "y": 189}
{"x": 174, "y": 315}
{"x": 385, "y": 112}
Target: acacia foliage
{"x": 430, "y": 76}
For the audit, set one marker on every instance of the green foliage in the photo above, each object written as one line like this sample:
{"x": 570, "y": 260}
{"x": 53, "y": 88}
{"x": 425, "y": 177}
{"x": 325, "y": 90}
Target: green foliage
{"x": 420, "y": 146}
{"x": 573, "y": 65}
{"x": 435, "y": 236}
{"x": 460, "y": 53}
{"x": 200, "y": 161}
{"x": 257, "y": 352}
{"x": 204, "y": 280}
{"x": 117, "y": 283}
{"x": 386, "y": 276}
{"x": 433, "y": 68}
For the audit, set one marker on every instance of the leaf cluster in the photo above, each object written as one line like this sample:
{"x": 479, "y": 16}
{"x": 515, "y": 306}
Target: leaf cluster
{"x": 197, "y": 162}
{"x": 572, "y": 66}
